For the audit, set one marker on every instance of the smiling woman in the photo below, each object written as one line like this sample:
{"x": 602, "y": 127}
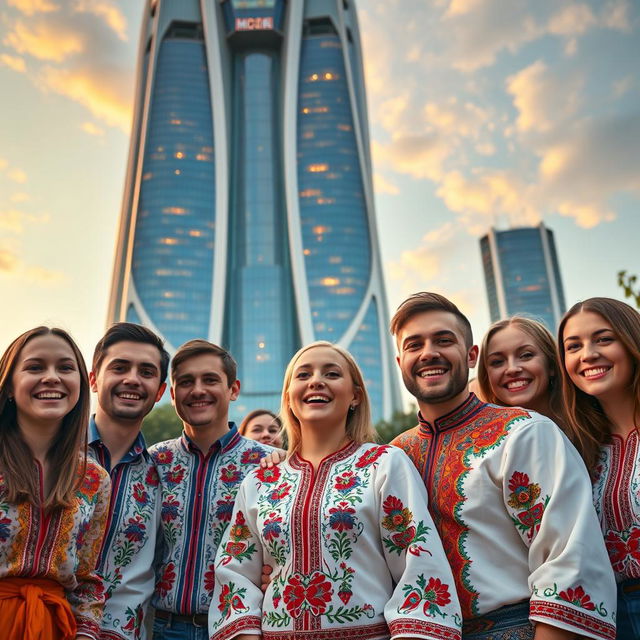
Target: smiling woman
{"x": 343, "y": 525}
{"x": 53, "y": 500}
{"x": 599, "y": 346}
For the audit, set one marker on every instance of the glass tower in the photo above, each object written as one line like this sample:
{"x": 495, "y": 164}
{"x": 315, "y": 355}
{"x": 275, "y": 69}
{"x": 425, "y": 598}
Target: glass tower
{"x": 522, "y": 274}
{"x": 248, "y": 213}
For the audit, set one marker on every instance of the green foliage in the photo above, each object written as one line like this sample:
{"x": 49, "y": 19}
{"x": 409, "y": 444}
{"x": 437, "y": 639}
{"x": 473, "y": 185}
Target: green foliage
{"x": 399, "y": 422}
{"x": 161, "y": 424}
{"x": 627, "y": 284}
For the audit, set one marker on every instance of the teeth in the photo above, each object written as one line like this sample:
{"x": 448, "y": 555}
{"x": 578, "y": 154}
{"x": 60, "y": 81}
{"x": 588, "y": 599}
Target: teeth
{"x": 432, "y": 372}
{"x": 517, "y": 384}
{"x": 317, "y": 399}
{"x": 594, "y": 372}
{"x": 129, "y": 396}
{"x": 49, "y": 395}
{"x": 202, "y": 403}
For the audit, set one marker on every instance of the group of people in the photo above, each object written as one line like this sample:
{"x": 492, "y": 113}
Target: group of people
{"x": 511, "y": 514}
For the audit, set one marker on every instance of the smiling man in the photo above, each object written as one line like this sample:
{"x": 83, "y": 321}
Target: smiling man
{"x": 200, "y": 474}
{"x": 508, "y": 493}
{"x": 128, "y": 375}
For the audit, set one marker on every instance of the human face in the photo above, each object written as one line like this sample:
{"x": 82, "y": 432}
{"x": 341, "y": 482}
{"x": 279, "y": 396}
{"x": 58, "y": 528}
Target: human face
{"x": 434, "y": 359}
{"x": 128, "y": 381}
{"x": 595, "y": 358}
{"x": 518, "y": 370}
{"x": 46, "y": 381}
{"x": 264, "y": 429}
{"x": 201, "y": 393}
{"x": 321, "y": 389}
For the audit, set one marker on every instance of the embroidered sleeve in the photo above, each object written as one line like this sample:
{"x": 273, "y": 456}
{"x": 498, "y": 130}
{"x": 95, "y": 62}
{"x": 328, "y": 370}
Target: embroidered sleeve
{"x": 236, "y": 607}
{"x": 424, "y": 603}
{"x": 87, "y": 599}
{"x": 547, "y": 494}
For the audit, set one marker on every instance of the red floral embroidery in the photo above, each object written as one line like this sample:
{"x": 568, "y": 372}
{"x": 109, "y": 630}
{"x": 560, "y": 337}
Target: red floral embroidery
{"x": 398, "y": 517}
{"x": 268, "y": 475}
{"x": 165, "y": 583}
{"x": 622, "y": 546}
{"x": 307, "y": 592}
{"x": 523, "y": 497}
{"x": 163, "y": 456}
{"x": 342, "y": 517}
{"x": 140, "y": 495}
{"x": 91, "y": 480}
{"x": 231, "y": 600}
{"x": 175, "y": 475}
{"x": 347, "y": 481}
{"x": 577, "y": 597}
{"x": 253, "y": 455}
{"x": 237, "y": 547}
{"x": 210, "y": 578}
{"x": 370, "y": 456}
{"x": 152, "y": 478}
{"x": 433, "y": 593}
{"x": 279, "y": 493}
{"x": 230, "y": 474}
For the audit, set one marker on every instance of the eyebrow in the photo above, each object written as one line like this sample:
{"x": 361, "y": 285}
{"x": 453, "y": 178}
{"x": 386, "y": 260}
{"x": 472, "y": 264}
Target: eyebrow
{"x": 117, "y": 361}
{"x": 436, "y": 334}
{"x": 595, "y": 333}
{"x": 522, "y": 346}
{"x": 40, "y": 359}
{"x": 324, "y": 366}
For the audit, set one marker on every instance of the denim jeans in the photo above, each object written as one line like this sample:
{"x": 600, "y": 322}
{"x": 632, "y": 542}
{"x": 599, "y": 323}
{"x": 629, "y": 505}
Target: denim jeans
{"x": 628, "y": 618}
{"x": 507, "y": 623}
{"x": 174, "y": 630}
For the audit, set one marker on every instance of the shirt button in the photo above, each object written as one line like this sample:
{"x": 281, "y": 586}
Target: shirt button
{"x": 200, "y": 494}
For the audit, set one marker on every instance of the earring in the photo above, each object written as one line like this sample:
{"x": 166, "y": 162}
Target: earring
{"x": 352, "y": 408}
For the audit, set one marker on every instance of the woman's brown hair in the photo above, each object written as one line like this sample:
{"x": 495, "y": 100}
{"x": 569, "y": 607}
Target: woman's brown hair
{"x": 359, "y": 427}
{"x": 67, "y": 465}
{"x": 544, "y": 341}
{"x": 587, "y": 424}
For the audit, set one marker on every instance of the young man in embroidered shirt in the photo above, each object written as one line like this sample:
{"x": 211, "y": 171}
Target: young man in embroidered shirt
{"x": 128, "y": 375}
{"x": 200, "y": 474}
{"x": 507, "y": 491}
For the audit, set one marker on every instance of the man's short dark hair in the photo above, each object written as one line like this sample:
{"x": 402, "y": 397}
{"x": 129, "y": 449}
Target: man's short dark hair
{"x": 429, "y": 301}
{"x": 130, "y": 332}
{"x": 199, "y": 347}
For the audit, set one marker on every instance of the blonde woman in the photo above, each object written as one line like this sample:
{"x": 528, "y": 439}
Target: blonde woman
{"x": 343, "y": 522}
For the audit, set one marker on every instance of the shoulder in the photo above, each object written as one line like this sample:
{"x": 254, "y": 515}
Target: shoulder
{"x": 373, "y": 454}
{"x": 406, "y": 438}
{"x": 164, "y": 452}
{"x": 96, "y": 480}
{"x": 250, "y": 451}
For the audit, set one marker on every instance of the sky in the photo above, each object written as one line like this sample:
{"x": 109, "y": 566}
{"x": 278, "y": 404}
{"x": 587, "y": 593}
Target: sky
{"x": 482, "y": 112}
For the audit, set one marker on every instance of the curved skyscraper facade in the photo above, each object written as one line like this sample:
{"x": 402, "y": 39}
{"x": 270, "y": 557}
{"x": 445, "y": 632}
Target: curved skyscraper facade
{"x": 248, "y": 214}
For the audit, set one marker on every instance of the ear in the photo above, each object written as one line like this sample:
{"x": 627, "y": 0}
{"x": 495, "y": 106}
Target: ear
{"x": 92, "y": 381}
{"x": 163, "y": 386}
{"x": 357, "y": 397}
{"x": 472, "y": 356}
{"x": 235, "y": 390}
{"x": 173, "y": 396}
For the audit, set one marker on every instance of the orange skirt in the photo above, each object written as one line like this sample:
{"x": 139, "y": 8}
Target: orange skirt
{"x": 34, "y": 609}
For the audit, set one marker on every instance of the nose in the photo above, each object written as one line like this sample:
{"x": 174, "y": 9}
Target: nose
{"x": 429, "y": 352}
{"x": 198, "y": 389}
{"x": 513, "y": 367}
{"x": 316, "y": 381}
{"x": 50, "y": 375}
{"x": 589, "y": 352}
{"x": 132, "y": 378}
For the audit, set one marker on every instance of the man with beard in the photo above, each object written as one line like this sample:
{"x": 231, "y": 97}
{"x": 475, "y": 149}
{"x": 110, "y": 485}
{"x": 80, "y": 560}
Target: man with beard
{"x": 508, "y": 493}
{"x": 128, "y": 375}
{"x": 200, "y": 474}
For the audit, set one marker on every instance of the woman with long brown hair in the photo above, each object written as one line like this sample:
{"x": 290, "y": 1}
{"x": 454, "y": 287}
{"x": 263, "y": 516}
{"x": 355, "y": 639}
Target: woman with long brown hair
{"x": 599, "y": 347}
{"x": 263, "y": 426}
{"x": 342, "y": 522}
{"x": 518, "y": 367}
{"x": 53, "y": 500}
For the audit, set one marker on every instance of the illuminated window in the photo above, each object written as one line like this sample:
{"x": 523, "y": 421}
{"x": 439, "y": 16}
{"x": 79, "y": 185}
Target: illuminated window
{"x": 330, "y": 282}
{"x": 310, "y": 193}
{"x": 326, "y": 200}
{"x": 177, "y": 172}
{"x": 178, "y": 155}
{"x": 168, "y": 241}
{"x": 195, "y": 233}
{"x": 203, "y": 157}
{"x": 176, "y": 121}
{"x": 344, "y": 127}
{"x": 260, "y": 345}
{"x": 345, "y": 291}
{"x": 307, "y": 252}
{"x": 317, "y": 168}
{"x": 168, "y": 294}
{"x": 147, "y": 176}
{"x": 176, "y": 211}
{"x": 329, "y": 76}
{"x": 335, "y": 259}
{"x": 308, "y": 135}
{"x": 320, "y": 229}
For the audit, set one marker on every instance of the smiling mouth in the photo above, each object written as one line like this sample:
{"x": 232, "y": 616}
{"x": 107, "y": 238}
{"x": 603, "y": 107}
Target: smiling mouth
{"x": 431, "y": 373}
{"x": 199, "y": 404}
{"x": 317, "y": 399}
{"x": 595, "y": 372}
{"x": 129, "y": 396}
{"x": 517, "y": 385}
{"x": 49, "y": 395}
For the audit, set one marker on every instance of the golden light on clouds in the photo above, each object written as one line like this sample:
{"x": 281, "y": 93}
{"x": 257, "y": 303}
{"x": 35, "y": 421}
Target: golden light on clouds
{"x": 44, "y": 41}
{"x": 30, "y": 7}
{"x": 13, "y": 62}
{"x": 92, "y": 129}
{"x": 108, "y": 11}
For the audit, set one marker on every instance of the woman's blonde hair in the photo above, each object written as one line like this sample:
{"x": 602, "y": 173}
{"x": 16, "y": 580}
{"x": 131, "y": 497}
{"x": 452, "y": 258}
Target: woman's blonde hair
{"x": 587, "y": 425}
{"x": 542, "y": 339}
{"x": 358, "y": 421}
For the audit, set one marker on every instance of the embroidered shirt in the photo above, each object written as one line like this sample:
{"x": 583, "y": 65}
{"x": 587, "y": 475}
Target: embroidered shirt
{"x": 511, "y": 499}
{"x": 353, "y": 549}
{"x": 197, "y": 496}
{"x": 126, "y": 557}
{"x": 617, "y": 498}
{"x": 61, "y": 546}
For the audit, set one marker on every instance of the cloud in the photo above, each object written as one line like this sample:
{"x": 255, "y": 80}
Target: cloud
{"x": 12, "y": 220}
{"x": 92, "y": 129}
{"x": 36, "y": 274}
{"x": 382, "y": 185}
{"x": 20, "y": 197}
{"x": 8, "y": 261}
{"x": 45, "y": 41}
{"x": 17, "y": 175}
{"x": 101, "y": 93}
{"x": 30, "y": 7}
{"x": 615, "y": 15}
{"x": 572, "y": 19}
{"x": 544, "y": 100}
{"x": 108, "y": 11}
{"x": 13, "y": 62}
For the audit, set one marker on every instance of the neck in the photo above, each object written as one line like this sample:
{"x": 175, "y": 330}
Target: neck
{"x": 39, "y": 437}
{"x": 117, "y": 435}
{"x": 206, "y": 435}
{"x": 620, "y": 413}
{"x": 432, "y": 411}
{"x": 319, "y": 441}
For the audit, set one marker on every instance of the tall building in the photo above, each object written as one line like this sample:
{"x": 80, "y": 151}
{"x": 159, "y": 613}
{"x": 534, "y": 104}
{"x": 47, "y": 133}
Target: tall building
{"x": 248, "y": 213}
{"x": 522, "y": 274}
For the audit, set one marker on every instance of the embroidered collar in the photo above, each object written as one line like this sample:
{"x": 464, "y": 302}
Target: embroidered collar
{"x": 297, "y": 461}
{"x": 462, "y": 413}
{"x": 139, "y": 446}
{"x": 224, "y": 444}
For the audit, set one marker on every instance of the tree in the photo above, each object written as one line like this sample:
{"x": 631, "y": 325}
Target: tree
{"x": 161, "y": 424}
{"x": 627, "y": 283}
{"x": 388, "y": 430}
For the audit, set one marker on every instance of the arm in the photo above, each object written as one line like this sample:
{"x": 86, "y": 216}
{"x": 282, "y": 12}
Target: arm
{"x": 236, "y": 606}
{"x": 547, "y": 632}
{"x": 547, "y": 494}
{"x": 87, "y": 599}
{"x": 424, "y": 603}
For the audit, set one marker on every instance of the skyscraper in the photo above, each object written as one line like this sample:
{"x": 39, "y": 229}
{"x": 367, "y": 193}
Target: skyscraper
{"x": 248, "y": 212}
{"x": 522, "y": 274}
